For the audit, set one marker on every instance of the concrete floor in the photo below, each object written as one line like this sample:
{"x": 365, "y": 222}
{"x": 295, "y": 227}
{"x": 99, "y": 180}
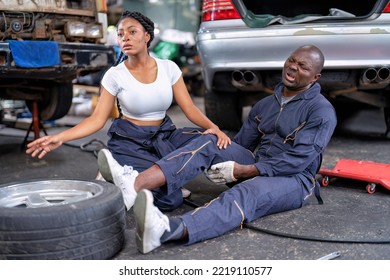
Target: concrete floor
{"x": 351, "y": 221}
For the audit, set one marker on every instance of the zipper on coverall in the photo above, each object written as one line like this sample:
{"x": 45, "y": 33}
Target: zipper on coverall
{"x": 235, "y": 202}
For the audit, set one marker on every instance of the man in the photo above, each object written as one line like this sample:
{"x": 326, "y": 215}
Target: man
{"x": 288, "y": 132}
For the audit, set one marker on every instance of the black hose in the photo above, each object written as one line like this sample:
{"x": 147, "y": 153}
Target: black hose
{"x": 93, "y": 146}
{"x": 295, "y": 236}
{"x": 310, "y": 238}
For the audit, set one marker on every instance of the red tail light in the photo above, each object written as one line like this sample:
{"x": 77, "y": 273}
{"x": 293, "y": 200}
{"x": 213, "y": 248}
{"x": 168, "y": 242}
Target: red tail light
{"x": 218, "y": 9}
{"x": 387, "y": 8}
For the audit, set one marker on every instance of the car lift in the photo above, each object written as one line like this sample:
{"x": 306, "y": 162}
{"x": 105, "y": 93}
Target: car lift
{"x": 371, "y": 172}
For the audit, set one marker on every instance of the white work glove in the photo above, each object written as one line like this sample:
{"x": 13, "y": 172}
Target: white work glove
{"x": 221, "y": 173}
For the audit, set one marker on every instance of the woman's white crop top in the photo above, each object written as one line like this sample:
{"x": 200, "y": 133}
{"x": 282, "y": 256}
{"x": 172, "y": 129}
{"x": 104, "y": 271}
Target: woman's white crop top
{"x": 144, "y": 102}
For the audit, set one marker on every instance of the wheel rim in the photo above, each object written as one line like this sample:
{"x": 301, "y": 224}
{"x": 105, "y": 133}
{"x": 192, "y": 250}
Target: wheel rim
{"x": 47, "y": 193}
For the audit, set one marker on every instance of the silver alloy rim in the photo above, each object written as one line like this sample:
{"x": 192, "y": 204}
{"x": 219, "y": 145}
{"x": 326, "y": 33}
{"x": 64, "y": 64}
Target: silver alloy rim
{"x": 47, "y": 193}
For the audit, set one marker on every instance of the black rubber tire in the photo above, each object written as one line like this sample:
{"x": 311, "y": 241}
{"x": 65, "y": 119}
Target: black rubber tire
{"x": 224, "y": 109}
{"x": 92, "y": 228}
{"x": 57, "y": 100}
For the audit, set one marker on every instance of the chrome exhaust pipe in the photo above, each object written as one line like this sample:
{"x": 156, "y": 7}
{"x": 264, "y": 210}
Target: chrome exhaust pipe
{"x": 383, "y": 75}
{"x": 250, "y": 78}
{"x": 369, "y": 75}
{"x": 246, "y": 80}
{"x": 237, "y": 76}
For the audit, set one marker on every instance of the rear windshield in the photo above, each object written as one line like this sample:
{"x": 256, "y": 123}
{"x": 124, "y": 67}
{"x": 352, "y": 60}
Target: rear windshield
{"x": 312, "y": 7}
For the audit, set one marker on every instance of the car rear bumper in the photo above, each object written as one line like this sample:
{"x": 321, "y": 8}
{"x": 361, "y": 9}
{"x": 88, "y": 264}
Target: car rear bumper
{"x": 352, "y": 46}
{"x": 75, "y": 59}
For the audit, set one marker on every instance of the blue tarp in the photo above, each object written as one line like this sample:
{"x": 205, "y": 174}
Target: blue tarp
{"x": 34, "y": 54}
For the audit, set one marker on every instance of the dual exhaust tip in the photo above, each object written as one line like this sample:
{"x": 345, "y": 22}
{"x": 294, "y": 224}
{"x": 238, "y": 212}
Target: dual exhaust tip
{"x": 244, "y": 78}
{"x": 374, "y": 75}
{"x": 370, "y": 76}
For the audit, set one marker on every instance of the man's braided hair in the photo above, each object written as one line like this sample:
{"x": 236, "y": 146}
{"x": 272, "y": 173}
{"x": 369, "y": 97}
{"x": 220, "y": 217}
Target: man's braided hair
{"x": 148, "y": 25}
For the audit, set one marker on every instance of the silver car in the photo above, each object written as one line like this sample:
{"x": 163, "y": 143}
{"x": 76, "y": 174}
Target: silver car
{"x": 243, "y": 45}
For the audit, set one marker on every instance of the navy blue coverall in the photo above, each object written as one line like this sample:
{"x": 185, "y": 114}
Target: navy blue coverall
{"x": 141, "y": 146}
{"x": 288, "y": 142}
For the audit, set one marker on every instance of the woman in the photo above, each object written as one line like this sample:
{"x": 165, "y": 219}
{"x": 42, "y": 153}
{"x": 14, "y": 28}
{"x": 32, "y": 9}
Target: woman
{"x": 144, "y": 88}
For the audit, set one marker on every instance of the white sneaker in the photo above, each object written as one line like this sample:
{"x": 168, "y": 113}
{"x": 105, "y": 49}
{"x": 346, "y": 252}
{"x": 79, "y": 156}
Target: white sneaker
{"x": 150, "y": 222}
{"x": 125, "y": 182}
{"x": 104, "y": 159}
{"x": 122, "y": 176}
{"x": 100, "y": 177}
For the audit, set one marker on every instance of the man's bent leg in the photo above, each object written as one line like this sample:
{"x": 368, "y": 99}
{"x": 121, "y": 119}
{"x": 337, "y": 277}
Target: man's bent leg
{"x": 186, "y": 163}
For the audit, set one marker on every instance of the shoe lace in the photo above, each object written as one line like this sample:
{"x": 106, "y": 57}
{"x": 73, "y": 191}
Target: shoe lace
{"x": 127, "y": 170}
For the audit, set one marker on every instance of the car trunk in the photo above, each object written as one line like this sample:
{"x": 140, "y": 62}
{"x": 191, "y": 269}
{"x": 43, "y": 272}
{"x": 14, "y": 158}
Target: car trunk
{"x": 262, "y": 13}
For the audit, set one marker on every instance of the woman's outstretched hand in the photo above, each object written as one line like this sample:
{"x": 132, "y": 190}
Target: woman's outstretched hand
{"x": 43, "y": 145}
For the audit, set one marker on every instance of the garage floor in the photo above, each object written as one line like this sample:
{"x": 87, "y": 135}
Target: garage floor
{"x": 351, "y": 222}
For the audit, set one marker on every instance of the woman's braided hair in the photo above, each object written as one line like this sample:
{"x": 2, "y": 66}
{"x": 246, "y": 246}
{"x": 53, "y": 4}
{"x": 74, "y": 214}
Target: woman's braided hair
{"x": 146, "y": 22}
{"x": 148, "y": 25}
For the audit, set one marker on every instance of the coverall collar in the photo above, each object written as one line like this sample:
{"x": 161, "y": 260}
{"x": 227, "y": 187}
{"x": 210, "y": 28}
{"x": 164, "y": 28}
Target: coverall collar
{"x": 307, "y": 94}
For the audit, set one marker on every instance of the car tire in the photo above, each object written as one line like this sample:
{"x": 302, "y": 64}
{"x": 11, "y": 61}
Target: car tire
{"x": 56, "y": 101}
{"x": 61, "y": 220}
{"x": 224, "y": 109}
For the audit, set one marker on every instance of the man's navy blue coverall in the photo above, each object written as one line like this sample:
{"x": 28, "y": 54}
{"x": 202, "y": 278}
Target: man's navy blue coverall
{"x": 285, "y": 143}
